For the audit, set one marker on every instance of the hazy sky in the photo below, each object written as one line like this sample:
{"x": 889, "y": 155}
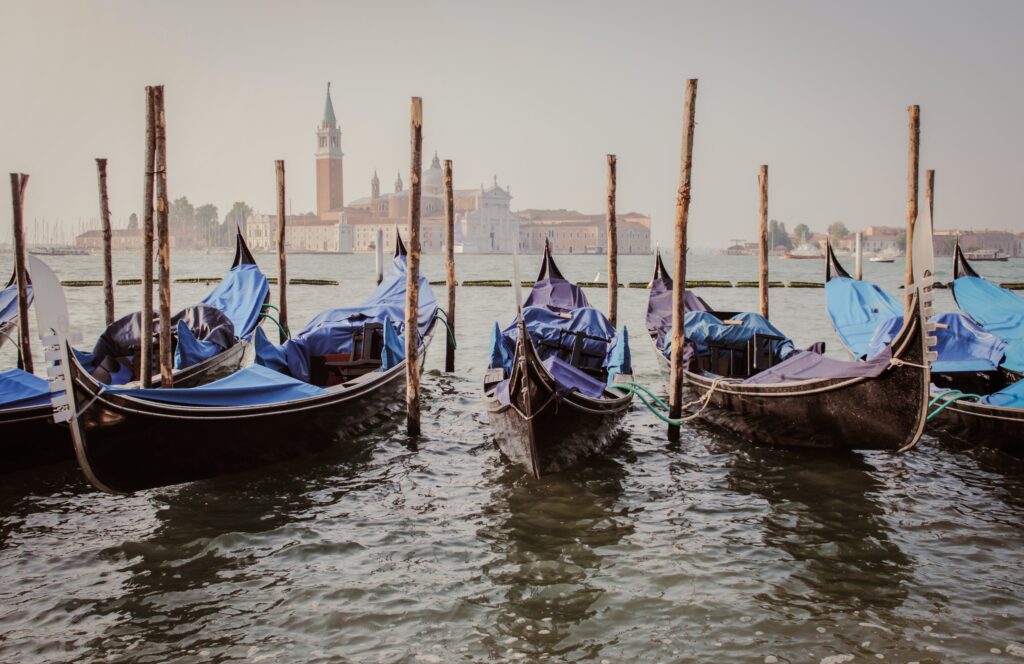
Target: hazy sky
{"x": 535, "y": 93}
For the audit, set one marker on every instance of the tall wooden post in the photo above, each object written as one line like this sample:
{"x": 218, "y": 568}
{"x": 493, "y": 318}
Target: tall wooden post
{"x": 108, "y": 269}
{"x": 859, "y": 265}
{"x": 412, "y": 359}
{"x": 282, "y": 261}
{"x": 146, "y": 345}
{"x": 914, "y": 113}
{"x": 613, "y": 246}
{"x": 679, "y": 283}
{"x": 18, "y": 183}
{"x": 762, "y": 283}
{"x": 449, "y": 262}
{"x": 380, "y": 255}
{"x": 164, "y": 238}
{"x": 929, "y": 193}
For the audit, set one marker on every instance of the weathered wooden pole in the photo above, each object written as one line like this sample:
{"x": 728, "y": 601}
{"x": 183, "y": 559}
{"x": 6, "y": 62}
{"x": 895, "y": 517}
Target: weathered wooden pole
{"x": 859, "y": 251}
{"x": 914, "y": 113}
{"x": 613, "y": 245}
{"x": 18, "y": 183}
{"x": 108, "y": 268}
{"x": 380, "y": 255}
{"x": 929, "y": 193}
{"x": 449, "y": 262}
{"x": 282, "y": 251}
{"x": 679, "y": 283}
{"x": 146, "y": 341}
{"x": 762, "y": 283}
{"x": 164, "y": 238}
{"x": 412, "y": 358}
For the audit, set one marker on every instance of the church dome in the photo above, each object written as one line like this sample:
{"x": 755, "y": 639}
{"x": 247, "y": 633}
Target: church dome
{"x": 433, "y": 178}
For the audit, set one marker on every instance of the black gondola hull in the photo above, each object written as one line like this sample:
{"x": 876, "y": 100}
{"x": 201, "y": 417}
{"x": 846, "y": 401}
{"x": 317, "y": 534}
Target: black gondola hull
{"x": 29, "y": 437}
{"x": 981, "y": 424}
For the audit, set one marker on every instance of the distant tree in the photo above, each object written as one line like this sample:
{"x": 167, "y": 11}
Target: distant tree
{"x": 207, "y": 225}
{"x": 777, "y": 235}
{"x": 837, "y": 231}
{"x": 182, "y": 221}
{"x": 236, "y": 217}
{"x": 801, "y": 232}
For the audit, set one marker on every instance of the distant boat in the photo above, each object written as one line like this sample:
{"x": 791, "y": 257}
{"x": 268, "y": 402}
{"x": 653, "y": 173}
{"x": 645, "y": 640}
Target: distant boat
{"x": 58, "y": 251}
{"x": 986, "y": 255}
{"x": 805, "y": 251}
{"x": 886, "y": 256}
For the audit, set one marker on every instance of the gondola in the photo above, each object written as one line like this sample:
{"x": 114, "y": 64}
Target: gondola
{"x": 745, "y": 375}
{"x": 342, "y": 371}
{"x": 228, "y": 313}
{"x": 547, "y": 389}
{"x": 976, "y": 397}
{"x": 9, "y": 310}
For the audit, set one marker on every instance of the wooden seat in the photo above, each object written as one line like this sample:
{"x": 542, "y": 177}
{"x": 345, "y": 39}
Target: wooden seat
{"x": 335, "y": 368}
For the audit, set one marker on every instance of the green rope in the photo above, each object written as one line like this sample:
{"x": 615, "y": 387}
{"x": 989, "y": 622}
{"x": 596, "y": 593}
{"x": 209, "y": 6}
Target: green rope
{"x": 442, "y": 312}
{"x": 268, "y": 305}
{"x": 953, "y": 397}
{"x": 628, "y": 387}
{"x": 654, "y": 397}
{"x": 451, "y": 334}
{"x": 279, "y": 326}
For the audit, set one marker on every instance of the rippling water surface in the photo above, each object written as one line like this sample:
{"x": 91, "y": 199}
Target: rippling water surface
{"x": 436, "y": 550}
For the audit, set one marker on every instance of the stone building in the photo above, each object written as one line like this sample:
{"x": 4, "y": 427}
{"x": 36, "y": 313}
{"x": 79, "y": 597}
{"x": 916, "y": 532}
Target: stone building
{"x": 571, "y": 232}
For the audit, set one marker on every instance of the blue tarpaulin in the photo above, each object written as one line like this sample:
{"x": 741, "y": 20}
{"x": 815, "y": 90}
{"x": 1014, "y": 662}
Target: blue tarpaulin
{"x": 189, "y": 350}
{"x": 553, "y": 332}
{"x": 9, "y": 302}
{"x": 659, "y": 308}
{"x": 961, "y": 344}
{"x": 240, "y": 297}
{"x": 856, "y": 309}
{"x": 332, "y": 331}
{"x": 20, "y": 389}
{"x": 703, "y": 328}
{"x": 252, "y": 386}
{"x": 557, "y": 295}
{"x": 998, "y": 310}
{"x": 808, "y": 365}
{"x": 1011, "y": 396}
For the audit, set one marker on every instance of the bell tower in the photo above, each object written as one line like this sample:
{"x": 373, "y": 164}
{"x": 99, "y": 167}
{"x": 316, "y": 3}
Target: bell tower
{"x": 330, "y": 192}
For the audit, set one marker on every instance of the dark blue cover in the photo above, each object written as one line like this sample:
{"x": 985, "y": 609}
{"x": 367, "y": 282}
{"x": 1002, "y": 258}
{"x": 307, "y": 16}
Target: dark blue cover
{"x": 9, "y": 302}
{"x": 332, "y": 331}
{"x": 19, "y": 389}
{"x": 808, "y": 365}
{"x": 1011, "y": 396}
{"x": 189, "y": 350}
{"x": 551, "y": 327}
{"x": 659, "y": 308}
{"x": 998, "y": 310}
{"x": 240, "y": 296}
{"x": 557, "y": 295}
{"x": 252, "y": 386}
{"x": 856, "y": 309}
{"x": 961, "y": 344}
{"x": 703, "y": 327}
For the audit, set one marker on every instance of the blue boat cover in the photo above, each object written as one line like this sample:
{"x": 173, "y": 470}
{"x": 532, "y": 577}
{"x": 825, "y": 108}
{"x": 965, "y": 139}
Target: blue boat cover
{"x": 240, "y": 297}
{"x": 189, "y": 350}
{"x": 998, "y": 310}
{"x": 554, "y": 333}
{"x": 269, "y": 354}
{"x": 557, "y": 295}
{"x": 253, "y": 386}
{"x": 20, "y": 389}
{"x": 856, "y": 309}
{"x": 1011, "y": 396}
{"x": 568, "y": 379}
{"x": 808, "y": 365}
{"x": 332, "y": 331}
{"x": 9, "y": 303}
{"x": 659, "y": 309}
{"x": 961, "y": 344}
{"x": 703, "y": 328}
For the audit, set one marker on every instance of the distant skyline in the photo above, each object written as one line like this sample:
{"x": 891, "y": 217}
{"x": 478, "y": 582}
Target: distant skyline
{"x": 534, "y": 93}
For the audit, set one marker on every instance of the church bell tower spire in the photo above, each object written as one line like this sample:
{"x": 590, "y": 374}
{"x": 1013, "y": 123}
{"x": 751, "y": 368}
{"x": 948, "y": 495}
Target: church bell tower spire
{"x": 330, "y": 198}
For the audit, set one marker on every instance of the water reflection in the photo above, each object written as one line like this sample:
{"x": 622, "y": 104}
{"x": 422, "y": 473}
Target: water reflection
{"x": 548, "y": 535}
{"x": 824, "y": 513}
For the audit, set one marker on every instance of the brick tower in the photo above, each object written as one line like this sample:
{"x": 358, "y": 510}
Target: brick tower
{"x": 330, "y": 193}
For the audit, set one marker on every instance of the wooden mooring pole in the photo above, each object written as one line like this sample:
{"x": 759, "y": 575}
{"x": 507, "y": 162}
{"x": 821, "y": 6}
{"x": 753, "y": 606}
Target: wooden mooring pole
{"x": 164, "y": 239}
{"x": 859, "y": 265}
{"x": 412, "y": 358}
{"x": 282, "y": 253}
{"x": 146, "y": 346}
{"x": 613, "y": 245}
{"x": 679, "y": 283}
{"x": 108, "y": 268}
{"x": 914, "y": 113}
{"x": 929, "y": 193}
{"x": 762, "y": 283}
{"x": 449, "y": 263}
{"x": 18, "y": 183}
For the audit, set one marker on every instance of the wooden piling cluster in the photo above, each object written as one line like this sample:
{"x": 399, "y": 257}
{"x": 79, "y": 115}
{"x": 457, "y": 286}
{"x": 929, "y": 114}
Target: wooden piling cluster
{"x": 449, "y": 263}
{"x": 19, "y": 181}
{"x": 613, "y": 245}
{"x": 412, "y": 360}
{"x": 679, "y": 275}
{"x": 282, "y": 259}
{"x": 762, "y": 180}
{"x": 108, "y": 269}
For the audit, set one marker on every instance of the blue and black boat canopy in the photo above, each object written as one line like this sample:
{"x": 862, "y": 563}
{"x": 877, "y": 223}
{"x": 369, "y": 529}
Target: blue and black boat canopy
{"x": 998, "y": 310}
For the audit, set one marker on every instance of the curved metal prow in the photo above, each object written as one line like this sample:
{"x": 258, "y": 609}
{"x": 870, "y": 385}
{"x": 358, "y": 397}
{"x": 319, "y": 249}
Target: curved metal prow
{"x": 399, "y": 245}
{"x": 242, "y": 254}
{"x": 833, "y": 268}
{"x": 961, "y": 268}
{"x": 659, "y": 269}
{"x": 548, "y": 269}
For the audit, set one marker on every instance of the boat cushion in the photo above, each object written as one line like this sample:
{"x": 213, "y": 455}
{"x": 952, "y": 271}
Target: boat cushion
{"x": 20, "y": 389}
{"x": 998, "y": 310}
{"x": 856, "y": 309}
{"x": 252, "y": 386}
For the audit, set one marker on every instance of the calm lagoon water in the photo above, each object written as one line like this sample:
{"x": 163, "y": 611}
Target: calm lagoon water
{"x": 436, "y": 550}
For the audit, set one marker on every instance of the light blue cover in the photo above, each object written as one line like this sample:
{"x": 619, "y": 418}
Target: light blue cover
{"x": 1011, "y": 396}
{"x": 620, "y": 360}
{"x": 190, "y": 350}
{"x": 332, "y": 331}
{"x": 960, "y": 344}
{"x": 9, "y": 302}
{"x": 394, "y": 347}
{"x": 500, "y": 355}
{"x": 703, "y": 327}
{"x": 856, "y": 309}
{"x": 998, "y": 310}
{"x": 20, "y": 389}
{"x": 240, "y": 297}
{"x": 269, "y": 354}
{"x": 252, "y": 386}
